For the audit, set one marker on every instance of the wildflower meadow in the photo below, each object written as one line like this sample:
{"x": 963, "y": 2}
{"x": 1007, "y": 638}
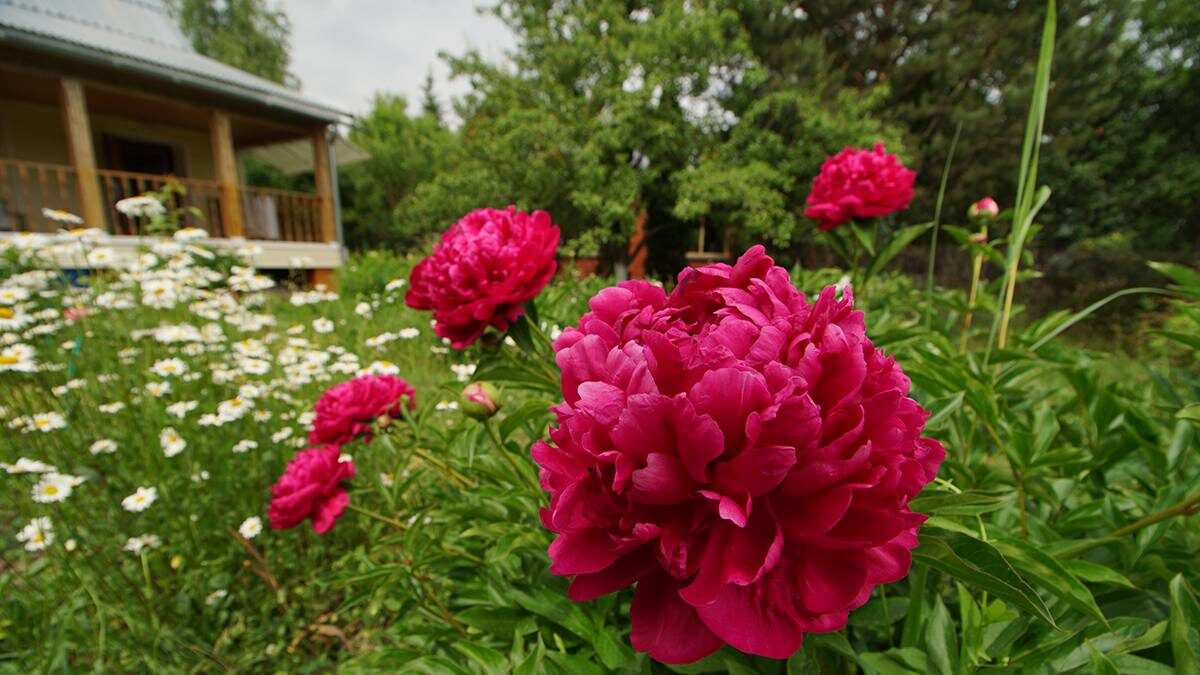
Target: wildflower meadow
{"x": 471, "y": 459}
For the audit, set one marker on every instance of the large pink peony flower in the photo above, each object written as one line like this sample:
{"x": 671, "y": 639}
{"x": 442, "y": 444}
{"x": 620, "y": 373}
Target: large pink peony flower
{"x": 347, "y": 410}
{"x": 745, "y": 456}
{"x": 311, "y": 487}
{"x": 859, "y": 184}
{"x": 485, "y": 267}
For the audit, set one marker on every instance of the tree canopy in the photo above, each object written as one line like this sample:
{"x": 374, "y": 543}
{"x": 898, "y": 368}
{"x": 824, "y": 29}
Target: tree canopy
{"x": 247, "y": 34}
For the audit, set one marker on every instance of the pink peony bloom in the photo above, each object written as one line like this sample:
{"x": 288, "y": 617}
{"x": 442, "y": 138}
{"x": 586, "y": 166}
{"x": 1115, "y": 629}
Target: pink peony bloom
{"x": 984, "y": 210}
{"x": 311, "y": 487}
{"x": 485, "y": 267}
{"x": 347, "y": 410}
{"x": 859, "y": 184}
{"x": 744, "y": 456}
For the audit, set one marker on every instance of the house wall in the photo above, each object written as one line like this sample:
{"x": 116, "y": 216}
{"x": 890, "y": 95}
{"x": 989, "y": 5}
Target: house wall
{"x": 34, "y": 133}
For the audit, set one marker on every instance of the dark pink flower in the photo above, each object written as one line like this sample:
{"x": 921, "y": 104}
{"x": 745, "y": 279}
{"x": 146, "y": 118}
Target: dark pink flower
{"x": 743, "y": 455}
{"x": 311, "y": 487}
{"x": 859, "y": 184}
{"x": 347, "y": 410}
{"x": 485, "y": 267}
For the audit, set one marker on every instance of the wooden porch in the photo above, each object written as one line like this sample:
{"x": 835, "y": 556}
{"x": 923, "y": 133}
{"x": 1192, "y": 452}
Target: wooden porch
{"x": 103, "y": 129}
{"x": 267, "y": 214}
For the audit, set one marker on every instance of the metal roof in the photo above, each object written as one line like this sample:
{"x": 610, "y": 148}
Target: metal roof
{"x": 140, "y": 35}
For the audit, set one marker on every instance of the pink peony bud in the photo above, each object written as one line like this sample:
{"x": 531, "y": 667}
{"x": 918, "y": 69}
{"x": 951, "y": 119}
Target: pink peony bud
{"x": 983, "y": 211}
{"x": 479, "y": 400}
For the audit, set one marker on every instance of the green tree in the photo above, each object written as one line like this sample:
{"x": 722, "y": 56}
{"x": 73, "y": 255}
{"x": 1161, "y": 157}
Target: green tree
{"x": 404, "y": 153}
{"x": 247, "y": 34}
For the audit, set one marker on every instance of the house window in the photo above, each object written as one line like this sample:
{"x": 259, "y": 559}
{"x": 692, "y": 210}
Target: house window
{"x": 124, "y": 154}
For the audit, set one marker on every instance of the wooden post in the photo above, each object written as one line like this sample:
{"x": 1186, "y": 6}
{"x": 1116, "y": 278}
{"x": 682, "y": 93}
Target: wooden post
{"x": 225, "y": 161}
{"x": 327, "y": 228}
{"x": 83, "y": 156}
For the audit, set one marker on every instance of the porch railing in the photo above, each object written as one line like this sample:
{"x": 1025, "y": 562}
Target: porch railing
{"x": 202, "y": 197}
{"x": 28, "y": 187}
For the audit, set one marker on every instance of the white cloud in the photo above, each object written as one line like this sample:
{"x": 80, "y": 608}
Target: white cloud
{"x": 346, "y": 51}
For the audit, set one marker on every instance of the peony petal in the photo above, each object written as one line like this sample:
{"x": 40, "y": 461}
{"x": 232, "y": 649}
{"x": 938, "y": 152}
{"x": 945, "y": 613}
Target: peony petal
{"x": 583, "y": 552}
{"x": 620, "y": 574}
{"x": 665, "y": 626}
{"x": 757, "y": 619}
{"x": 729, "y": 395}
{"x": 759, "y": 470}
{"x": 328, "y": 511}
{"x": 831, "y": 580}
{"x": 663, "y": 481}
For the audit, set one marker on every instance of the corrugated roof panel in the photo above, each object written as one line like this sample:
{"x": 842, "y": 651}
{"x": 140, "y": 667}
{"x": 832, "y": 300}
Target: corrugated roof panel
{"x": 143, "y": 30}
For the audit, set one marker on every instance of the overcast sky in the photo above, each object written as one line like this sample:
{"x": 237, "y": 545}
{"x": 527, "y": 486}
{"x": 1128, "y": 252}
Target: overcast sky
{"x": 344, "y": 51}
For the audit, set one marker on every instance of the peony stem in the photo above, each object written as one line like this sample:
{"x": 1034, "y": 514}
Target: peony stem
{"x": 1186, "y": 507}
{"x": 512, "y": 463}
{"x": 378, "y": 516}
{"x": 976, "y": 273}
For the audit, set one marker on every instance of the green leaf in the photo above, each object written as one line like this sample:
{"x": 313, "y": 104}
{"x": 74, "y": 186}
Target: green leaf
{"x": 1190, "y": 412}
{"x": 1051, "y": 575}
{"x": 910, "y": 636}
{"x": 491, "y": 660}
{"x": 498, "y": 621}
{"x": 1096, "y": 574}
{"x": 900, "y": 240}
{"x": 526, "y": 412}
{"x": 1181, "y": 439}
{"x": 941, "y": 503}
{"x": 865, "y": 237}
{"x": 1184, "y": 627}
{"x": 903, "y": 661}
{"x": 979, "y": 563}
{"x": 940, "y": 642}
{"x": 1101, "y": 665}
{"x": 1184, "y": 276}
{"x": 532, "y": 663}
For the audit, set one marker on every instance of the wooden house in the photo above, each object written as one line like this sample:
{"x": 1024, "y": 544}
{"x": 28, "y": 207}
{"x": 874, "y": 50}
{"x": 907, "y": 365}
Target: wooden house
{"x": 106, "y": 99}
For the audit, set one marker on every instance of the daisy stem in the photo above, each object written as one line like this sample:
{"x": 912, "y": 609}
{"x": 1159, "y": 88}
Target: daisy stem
{"x": 378, "y": 516}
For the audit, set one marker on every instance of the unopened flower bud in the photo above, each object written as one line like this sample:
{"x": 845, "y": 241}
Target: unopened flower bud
{"x": 383, "y": 421}
{"x": 479, "y": 400}
{"x": 983, "y": 211}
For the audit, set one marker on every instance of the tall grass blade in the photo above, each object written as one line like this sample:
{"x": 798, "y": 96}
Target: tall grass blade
{"x": 1027, "y": 180}
{"x": 937, "y": 226}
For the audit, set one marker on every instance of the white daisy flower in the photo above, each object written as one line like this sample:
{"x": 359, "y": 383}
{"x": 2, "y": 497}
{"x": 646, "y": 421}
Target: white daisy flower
{"x": 37, "y": 535}
{"x": 60, "y": 216}
{"x": 104, "y": 446}
{"x": 464, "y": 371}
{"x": 323, "y": 325}
{"x": 111, "y": 408}
{"x": 26, "y": 465}
{"x": 250, "y": 527}
{"x": 244, "y": 445}
{"x": 47, "y": 422}
{"x": 169, "y": 367}
{"x": 140, "y": 500}
{"x": 54, "y": 487}
{"x": 408, "y": 333}
{"x": 172, "y": 443}
{"x": 136, "y": 545}
{"x": 180, "y": 409}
